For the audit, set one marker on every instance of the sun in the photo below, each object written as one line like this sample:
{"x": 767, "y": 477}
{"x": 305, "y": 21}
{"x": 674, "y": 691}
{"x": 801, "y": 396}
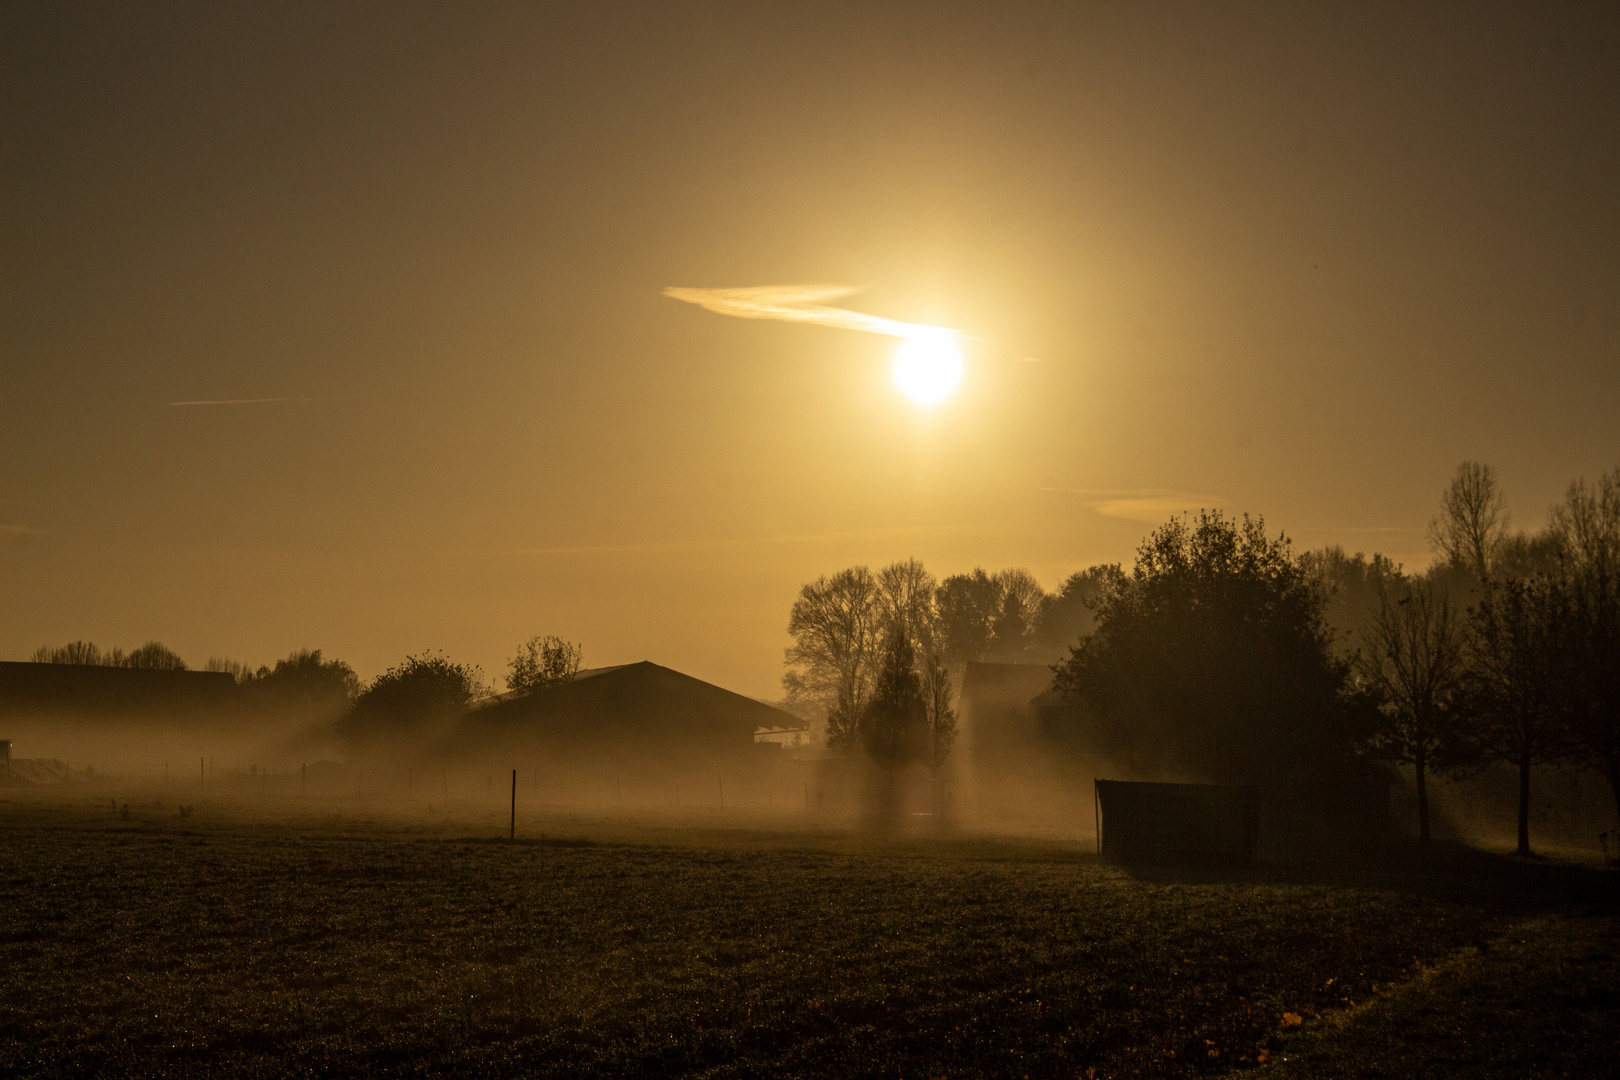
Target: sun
{"x": 927, "y": 367}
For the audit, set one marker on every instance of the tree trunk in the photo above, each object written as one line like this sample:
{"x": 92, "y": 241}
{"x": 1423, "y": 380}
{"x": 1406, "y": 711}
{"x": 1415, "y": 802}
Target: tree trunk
{"x": 1524, "y": 808}
{"x": 1423, "y": 798}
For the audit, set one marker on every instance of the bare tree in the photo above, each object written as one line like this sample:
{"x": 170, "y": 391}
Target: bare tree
{"x": 835, "y": 624}
{"x": 74, "y": 652}
{"x": 1473, "y": 519}
{"x": 1513, "y": 679}
{"x": 1413, "y": 658}
{"x": 1590, "y": 692}
{"x": 154, "y": 655}
{"x": 1586, "y": 525}
{"x": 542, "y": 662}
{"x": 906, "y": 592}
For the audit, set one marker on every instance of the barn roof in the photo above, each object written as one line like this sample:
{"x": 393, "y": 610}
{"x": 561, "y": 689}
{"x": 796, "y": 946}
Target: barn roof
{"x": 91, "y": 689}
{"x": 641, "y": 702}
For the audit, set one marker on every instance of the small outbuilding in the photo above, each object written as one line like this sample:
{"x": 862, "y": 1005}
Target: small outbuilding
{"x": 1145, "y": 822}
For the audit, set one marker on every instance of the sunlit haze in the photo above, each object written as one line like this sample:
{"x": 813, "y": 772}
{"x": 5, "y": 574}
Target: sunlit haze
{"x": 813, "y": 539}
{"x": 344, "y": 327}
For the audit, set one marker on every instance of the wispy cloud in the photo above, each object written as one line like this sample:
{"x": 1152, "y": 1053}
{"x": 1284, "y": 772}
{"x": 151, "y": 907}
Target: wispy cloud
{"x": 800, "y": 303}
{"x": 720, "y": 543}
{"x": 238, "y": 401}
{"x": 1149, "y": 505}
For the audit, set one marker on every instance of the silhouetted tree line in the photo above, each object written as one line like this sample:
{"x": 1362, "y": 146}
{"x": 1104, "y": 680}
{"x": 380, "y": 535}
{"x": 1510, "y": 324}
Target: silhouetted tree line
{"x": 422, "y": 693}
{"x": 1223, "y": 656}
{"x": 857, "y": 633}
{"x": 1508, "y": 649}
{"x": 153, "y": 656}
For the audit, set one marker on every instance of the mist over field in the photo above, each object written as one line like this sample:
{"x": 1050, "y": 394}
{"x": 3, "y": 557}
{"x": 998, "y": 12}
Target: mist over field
{"x": 954, "y": 540}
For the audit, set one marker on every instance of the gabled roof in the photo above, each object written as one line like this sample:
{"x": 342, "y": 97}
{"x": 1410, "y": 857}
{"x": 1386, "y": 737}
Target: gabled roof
{"x": 91, "y": 689}
{"x": 643, "y": 701}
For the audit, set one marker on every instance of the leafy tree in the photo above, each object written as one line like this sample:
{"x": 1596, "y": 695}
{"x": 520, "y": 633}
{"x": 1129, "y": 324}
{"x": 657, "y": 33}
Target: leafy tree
{"x": 542, "y": 662}
{"x": 1012, "y": 631}
{"x": 989, "y": 616}
{"x": 893, "y": 725}
{"x": 908, "y": 591}
{"x": 1351, "y": 587}
{"x": 835, "y": 624}
{"x": 1070, "y": 613}
{"x": 1513, "y": 679}
{"x": 304, "y": 683}
{"x": 414, "y": 695}
{"x": 1212, "y": 660}
{"x": 1473, "y": 520}
{"x": 968, "y": 605}
{"x": 1413, "y": 661}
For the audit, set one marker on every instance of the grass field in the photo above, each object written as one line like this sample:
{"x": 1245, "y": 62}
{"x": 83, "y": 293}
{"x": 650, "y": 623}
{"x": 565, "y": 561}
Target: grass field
{"x": 232, "y": 943}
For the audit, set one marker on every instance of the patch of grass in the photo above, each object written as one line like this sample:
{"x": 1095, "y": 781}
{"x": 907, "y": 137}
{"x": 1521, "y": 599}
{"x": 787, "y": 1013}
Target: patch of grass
{"x": 256, "y": 949}
{"x": 1543, "y": 999}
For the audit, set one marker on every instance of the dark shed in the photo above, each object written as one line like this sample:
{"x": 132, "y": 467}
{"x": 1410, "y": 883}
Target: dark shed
{"x": 1141, "y": 822}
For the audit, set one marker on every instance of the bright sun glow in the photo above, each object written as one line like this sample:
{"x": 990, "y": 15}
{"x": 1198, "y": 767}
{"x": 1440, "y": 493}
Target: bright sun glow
{"x": 927, "y": 367}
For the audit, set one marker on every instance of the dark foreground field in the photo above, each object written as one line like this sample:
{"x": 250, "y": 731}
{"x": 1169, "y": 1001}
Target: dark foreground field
{"x": 224, "y": 945}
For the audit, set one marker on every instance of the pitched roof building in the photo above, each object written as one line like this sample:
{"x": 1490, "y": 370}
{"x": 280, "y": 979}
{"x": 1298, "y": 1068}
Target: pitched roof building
{"x": 643, "y": 708}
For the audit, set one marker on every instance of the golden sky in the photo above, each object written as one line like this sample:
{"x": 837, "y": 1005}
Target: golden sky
{"x": 402, "y": 266}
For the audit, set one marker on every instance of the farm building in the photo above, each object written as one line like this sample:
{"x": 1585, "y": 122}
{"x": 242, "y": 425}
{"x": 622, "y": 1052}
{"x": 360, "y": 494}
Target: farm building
{"x": 642, "y": 710}
{"x": 996, "y": 704}
{"x": 92, "y": 692}
{"x": 1140, "y": 822}
{"x": 1012, "y": 773}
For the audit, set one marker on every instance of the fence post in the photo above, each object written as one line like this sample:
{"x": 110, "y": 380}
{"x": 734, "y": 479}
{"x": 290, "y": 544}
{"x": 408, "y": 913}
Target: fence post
{"x": 513, "y": 835}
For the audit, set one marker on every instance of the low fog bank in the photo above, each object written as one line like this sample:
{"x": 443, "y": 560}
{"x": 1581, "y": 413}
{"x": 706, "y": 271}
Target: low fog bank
{"x": 1015, "y": 784}
{"x": 289, "y": 764}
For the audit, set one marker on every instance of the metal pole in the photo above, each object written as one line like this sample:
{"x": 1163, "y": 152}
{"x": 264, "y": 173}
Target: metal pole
{"x": 513, "y": 835}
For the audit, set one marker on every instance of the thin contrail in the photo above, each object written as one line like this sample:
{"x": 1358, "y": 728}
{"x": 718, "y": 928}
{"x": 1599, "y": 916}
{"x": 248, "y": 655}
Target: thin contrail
{"x": 801, "y": 303}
